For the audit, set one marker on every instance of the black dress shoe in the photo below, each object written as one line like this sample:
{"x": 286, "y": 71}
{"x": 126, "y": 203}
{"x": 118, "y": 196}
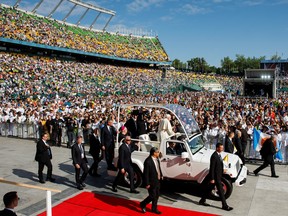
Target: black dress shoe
{"x": 255, "y": 173}
{"x": 227, "y": 208}
{"x": 83, "y": 184}
{"x": 275, "y": 176}
{"x": 79, "y": 187}
{"x": 143, "y": 208}
{"x": 156, "y": 211}
{"x": 203, "y": 203}
{"x": 134, "y": 191}
{"x": 114, "y": 189}
{"x": 42, "y": 181}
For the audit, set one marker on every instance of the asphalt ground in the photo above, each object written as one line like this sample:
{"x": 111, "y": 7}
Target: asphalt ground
{"x": 260, "y": 196}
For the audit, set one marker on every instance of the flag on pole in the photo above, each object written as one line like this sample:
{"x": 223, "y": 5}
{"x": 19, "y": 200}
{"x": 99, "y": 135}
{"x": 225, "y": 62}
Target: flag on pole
{"x": 279, "y": 153}
{"x": 225, "y": 159}
{"x": 258, "y": 139}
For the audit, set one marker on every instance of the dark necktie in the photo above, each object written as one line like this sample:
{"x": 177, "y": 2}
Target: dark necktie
{"x": 220, "y": 158}
{"x": 82, "y": 151}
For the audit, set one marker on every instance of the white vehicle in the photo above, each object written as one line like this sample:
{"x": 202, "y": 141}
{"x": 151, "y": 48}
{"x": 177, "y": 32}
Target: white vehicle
{"x": 193, "y": 158}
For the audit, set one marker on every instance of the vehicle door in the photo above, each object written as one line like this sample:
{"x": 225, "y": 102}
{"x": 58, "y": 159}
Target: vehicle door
{"x": 172, "y": 165}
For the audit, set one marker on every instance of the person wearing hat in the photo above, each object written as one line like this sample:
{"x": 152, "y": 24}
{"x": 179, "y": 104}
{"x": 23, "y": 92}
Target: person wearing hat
{"x": 80, "y": 162}
{"x": 123, "y": 132}
{"x": 10, "y": 200}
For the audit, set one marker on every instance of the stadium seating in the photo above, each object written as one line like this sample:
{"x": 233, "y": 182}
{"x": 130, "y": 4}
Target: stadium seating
{"x": 18, "y": 25}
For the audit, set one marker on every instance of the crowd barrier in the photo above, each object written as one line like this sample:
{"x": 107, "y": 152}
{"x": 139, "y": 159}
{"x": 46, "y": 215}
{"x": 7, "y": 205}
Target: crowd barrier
{"x": 31, "y": 131}
{"x": 27, "y": 131}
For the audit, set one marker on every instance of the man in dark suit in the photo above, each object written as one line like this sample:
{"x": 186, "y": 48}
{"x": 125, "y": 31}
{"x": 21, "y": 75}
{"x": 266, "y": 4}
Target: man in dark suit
{"x": 44, "y": 156}
{"x": 229, "y": 147}
{"x": 95, "y": 148}
{"x": 10, "y": 200}
{"x": 267, "y": 152}
{"x": 131, "y": 124}
{"x": 125, "y": 164}
{"x": 244, "y": 138}
{"x": 215, "y": 175}
{"x": 238, "y": 145}
{"x": 108, "y": 133}
{"x": 152, "y": 177}
{"x": 57, "y": 125}
{"x": 80, "y": 162}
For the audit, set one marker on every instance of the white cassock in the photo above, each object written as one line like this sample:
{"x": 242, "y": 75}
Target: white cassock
{"x": 164, "y": 130}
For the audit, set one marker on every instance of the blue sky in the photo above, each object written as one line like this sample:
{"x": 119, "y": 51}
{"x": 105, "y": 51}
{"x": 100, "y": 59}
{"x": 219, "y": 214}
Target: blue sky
{"x": 212, "y": 29}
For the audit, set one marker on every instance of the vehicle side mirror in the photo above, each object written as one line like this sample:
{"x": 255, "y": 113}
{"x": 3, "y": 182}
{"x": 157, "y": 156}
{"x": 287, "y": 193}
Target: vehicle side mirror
{"x": 185, "y": 155}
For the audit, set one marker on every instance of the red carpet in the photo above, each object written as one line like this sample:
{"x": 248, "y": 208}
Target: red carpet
{"x": 91, "y": 204}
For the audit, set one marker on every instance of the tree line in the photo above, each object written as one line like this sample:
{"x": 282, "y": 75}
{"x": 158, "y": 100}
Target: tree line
{"x": 228, "y": 65}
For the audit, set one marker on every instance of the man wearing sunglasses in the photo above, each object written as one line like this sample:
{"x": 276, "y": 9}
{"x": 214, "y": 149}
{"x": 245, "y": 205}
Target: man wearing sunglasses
{"x": 125, "y": 165}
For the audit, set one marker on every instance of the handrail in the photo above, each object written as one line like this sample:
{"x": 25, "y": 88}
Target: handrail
{"x": 29, "y": 186}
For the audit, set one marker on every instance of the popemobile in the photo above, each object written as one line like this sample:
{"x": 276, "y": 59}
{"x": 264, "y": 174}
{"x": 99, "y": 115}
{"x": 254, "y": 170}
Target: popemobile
{"x": 192, "y": 159}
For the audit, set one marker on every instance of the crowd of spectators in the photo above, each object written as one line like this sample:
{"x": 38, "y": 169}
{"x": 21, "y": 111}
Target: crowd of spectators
{"x": 37, "y": 89}
{"x": 18, "y": 25}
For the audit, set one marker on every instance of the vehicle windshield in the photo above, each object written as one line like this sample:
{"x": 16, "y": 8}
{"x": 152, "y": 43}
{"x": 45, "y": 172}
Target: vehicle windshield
{"x": 188, "y": 122}
{"x": 196, "y": 143}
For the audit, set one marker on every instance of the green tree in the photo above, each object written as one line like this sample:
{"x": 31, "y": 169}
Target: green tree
{"x": 254, "y": 63}
{"x": 275, "y": 57}
{"x": 227, "y": 65}
{"x": 240, "y": 63}
{"x": 198, "y": 64}
{"x": 176, "y": 63}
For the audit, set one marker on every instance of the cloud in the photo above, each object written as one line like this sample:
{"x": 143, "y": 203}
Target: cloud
{"x": 166, "y": 18}
{"x": 279, "y": 2}
{"x": 193, "y": 9}
{"x": 138, "y": 5}
{"x": 253, "y": 2}
{"x": 221, "y": 1}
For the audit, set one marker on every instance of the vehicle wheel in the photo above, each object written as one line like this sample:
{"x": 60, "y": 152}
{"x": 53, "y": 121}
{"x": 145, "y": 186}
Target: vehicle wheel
{"x": 227, "y": 187}
{"x": 137, "y": 178}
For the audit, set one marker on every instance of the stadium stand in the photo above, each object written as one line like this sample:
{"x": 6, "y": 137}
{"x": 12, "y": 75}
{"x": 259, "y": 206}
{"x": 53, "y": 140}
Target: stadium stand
{"x": 18, "y": 25}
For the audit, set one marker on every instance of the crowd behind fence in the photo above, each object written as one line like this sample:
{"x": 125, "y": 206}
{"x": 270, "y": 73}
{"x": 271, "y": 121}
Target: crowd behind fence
{"x": 31, "y": 131}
